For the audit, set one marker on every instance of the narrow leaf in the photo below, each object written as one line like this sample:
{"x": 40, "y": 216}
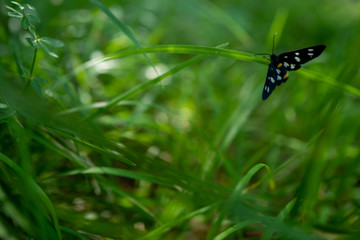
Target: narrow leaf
{"x": 47, "y": 50}
{"x": 233, "y": 229}
{"x": 30, "y": 41}
{"x": 28, "y": 6}
{"x": 15, "y": 15}
{"x": 154, "y": 234}
{"x": 32, "y": 30}
{"x": 36, "y": 84}
{"x": 33, "y": 18}
{"x": 18, "y": 4}
{"x": 14, "y": 11}
{"x": 281, "y": 217}
{"x": 24, "y": 22}
{"x": 52, "y": 42}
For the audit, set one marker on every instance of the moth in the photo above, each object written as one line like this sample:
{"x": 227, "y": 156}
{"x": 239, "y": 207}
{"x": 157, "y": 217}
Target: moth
{"x": 288, "y": 61}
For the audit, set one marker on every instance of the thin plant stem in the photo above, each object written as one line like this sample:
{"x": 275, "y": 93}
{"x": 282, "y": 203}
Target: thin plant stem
{"x": 31, "y": 70}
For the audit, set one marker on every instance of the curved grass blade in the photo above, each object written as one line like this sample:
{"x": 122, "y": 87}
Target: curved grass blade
{"x": 147, "y": 84}
{"x": 181, "y": 49}
{"x": 167, "y": 226}
{"x": 233, "y": 229}
{"x": 215, "y": 52}
{"x": 143, "y": 86}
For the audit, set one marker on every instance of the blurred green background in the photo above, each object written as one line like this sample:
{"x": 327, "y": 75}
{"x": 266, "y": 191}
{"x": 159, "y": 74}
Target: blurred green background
{"x": 101, "y": 147}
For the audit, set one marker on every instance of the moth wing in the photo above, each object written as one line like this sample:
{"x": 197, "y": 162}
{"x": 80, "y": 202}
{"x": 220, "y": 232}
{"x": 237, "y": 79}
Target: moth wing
{"x": 293, "y": 60}
{"x": 282, "y": 75}
{"x": 270, "y": 81}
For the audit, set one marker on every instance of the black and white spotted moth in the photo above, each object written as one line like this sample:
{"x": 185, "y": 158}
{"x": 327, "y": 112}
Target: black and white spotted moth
{"x": 289, "y": 61}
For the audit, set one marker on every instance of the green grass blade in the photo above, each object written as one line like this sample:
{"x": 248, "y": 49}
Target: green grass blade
{"x": 246, "y": 179}
{"x": 123, "y": 28}
{"x": 328, "y": 80}
{"x": 147, "y": 84}
{"x": 182, "y": 49}
{"x": 233, "y": 229}
{"x": 167, "y": 226}
{"x": 118, "y": 172}
{"x": 215, "y": 51}
{"x": 218, "y": 15}
{"x": 277, "y": 27}
{"x": 141, "y": 87}
{"x": 235, "y": 195}
{"x": 74, "y": 233}
{"x": 230, "y": 130}
{"x": 280, "y": 218}
{"x": 37, "y": 194}
{"x": 50, "y": 144}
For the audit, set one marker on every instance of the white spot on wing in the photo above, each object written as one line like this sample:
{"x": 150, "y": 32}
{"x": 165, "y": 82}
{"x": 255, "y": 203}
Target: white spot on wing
{"x": 286, "y": 64}
{"x": 292, "y": 66}
{"x": 310, "y": 49}
{"x": 297, "y": 54}
{"x": 279, "y": 77}
{"x": 310, "y": 54}
{"x": 297, "y": 59}
{"x": 272, "y": 79}
{"x": 278, "y": 71}
{"x": 285, "y": 56}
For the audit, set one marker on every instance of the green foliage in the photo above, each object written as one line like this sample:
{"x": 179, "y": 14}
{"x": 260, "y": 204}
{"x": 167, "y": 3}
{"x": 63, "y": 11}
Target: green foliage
{"x": 26, "y": 19}
{"x": 147, "y": 122}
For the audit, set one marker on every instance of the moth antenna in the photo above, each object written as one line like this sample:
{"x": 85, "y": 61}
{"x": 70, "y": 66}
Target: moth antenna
{"x": 273, "y": 48}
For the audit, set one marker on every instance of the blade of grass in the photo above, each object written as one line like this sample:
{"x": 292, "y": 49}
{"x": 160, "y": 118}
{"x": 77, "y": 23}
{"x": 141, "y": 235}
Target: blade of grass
{"x": 118, "y": 191}
{"x": 240, "y": 210}
{"x": 37, "y": 191}
{"x": 181, "y": 49}
{"x": 57, "y": 148}
{"x": 277, "y": 27}
{"x": 147, "y": 84}
{"x": 328, "y": 80}
{"x": 20, "y": 136}
{"x": 99, "y": 149}
{"x": 214, "y": 13}
{"x": 74, "y": 233}
{"x": 280, "y": 218}
{"x": 117, "y": 172}
{"x": 235, "y": 195}
{"x": 123, "y": 28}
{"x": 216, "y": 52}
{"x": 230, "y": 130}
{"x": 233, "y": 229}
{"x": 167, "y": 226}
{"x": 141, "y": 87}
